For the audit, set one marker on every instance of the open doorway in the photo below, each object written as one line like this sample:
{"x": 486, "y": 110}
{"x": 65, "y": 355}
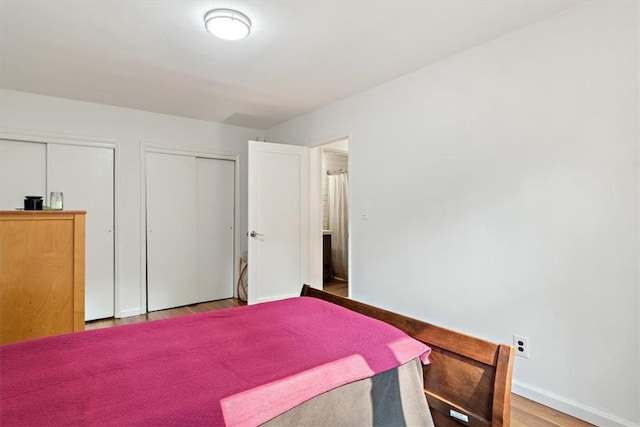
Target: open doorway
{"x": 335, "y": 217}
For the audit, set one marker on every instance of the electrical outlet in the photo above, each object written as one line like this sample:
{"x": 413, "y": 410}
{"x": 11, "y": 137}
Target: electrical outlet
{"x": 521, "y": 344}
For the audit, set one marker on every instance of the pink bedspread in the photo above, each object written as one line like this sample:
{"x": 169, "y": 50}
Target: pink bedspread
{"x": 236, "y": 367}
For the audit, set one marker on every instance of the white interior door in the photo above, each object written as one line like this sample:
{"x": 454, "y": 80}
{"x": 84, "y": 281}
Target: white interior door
{"x": 278, "y": 244}
{"x": 23, "y": 168}
{"x": 85, "y": 176}
{"x": 172, "y": 256}
{"x": 215, "y": 222}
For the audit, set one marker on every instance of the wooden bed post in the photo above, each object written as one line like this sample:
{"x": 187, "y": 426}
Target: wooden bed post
{"x": 469, "y": 379}
{"x": 502, "y": 386}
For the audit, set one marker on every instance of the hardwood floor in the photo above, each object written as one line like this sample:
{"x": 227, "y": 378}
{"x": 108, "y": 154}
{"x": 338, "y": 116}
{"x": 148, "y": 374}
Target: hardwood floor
{"x": 524, "y": 412}
{"x": 337, "y": 287}
{"x": 165, "y": 314}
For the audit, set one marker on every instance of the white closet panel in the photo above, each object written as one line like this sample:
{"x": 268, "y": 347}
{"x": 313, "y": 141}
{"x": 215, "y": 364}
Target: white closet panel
{"x": 172, "y": 256}
{"x": 215, "y": 208}
{"x": 23, "y": 169}
{"x": 85, "y": 176}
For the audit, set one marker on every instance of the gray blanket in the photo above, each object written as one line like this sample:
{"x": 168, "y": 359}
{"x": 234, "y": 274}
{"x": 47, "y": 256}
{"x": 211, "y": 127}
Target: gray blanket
{"x": 392, "y": 398}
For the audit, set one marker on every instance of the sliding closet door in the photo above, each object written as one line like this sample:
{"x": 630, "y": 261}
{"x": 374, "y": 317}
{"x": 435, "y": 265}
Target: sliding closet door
{"x": 215, "y": 209}
{"x": 23, "y": 168}
{"x": 172, "y": 255}
{"x": 190, "y": 229}
{"x": 85, "y": 175}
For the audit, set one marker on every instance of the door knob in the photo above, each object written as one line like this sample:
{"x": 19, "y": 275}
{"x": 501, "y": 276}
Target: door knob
{"x": 254, "y": 234}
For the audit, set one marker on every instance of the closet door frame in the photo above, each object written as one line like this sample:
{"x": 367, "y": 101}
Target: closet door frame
{"x": 194, "y": 152}
{"x": 93, "y": 142}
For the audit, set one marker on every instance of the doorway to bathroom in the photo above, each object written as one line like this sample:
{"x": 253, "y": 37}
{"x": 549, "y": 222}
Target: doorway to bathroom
{"x": 335, "y": 217}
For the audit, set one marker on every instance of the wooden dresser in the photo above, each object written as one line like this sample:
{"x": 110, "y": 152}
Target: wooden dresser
{"x": 42, "y": 262}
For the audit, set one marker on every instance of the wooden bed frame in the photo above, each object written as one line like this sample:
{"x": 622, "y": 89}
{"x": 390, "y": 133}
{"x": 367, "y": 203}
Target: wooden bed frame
{"x": 469, "y": 379}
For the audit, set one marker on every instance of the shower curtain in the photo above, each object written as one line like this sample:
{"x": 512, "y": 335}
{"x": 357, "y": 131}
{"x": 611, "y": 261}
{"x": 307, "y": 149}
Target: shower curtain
{"x": 338, "y": 223}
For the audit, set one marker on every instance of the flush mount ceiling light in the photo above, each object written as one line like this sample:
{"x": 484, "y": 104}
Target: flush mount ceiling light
{"x": 227, "y": 24}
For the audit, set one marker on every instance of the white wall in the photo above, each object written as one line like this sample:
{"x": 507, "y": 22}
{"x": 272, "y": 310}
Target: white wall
{"x": 509, "y": 201}
{"x": 130, "y": 128}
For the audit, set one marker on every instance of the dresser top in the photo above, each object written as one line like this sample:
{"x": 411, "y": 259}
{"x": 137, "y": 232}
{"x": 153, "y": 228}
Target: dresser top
{"x": 42, "y": 212}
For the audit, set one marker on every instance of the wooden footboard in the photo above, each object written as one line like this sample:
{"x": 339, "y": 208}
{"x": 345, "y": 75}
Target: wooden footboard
{"x": 469, "y": 379}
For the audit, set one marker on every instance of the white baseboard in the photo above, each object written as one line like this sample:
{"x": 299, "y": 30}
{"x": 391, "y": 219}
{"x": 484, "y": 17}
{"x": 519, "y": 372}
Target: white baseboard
{"x": 568, "y": 406}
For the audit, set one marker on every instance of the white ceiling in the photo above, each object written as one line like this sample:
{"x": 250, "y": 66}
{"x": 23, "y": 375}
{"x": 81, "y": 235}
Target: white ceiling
{"x": 301, "y": 55}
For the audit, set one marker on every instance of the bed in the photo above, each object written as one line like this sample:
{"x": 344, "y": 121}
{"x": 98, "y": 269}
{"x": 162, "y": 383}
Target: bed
{"x": 468, "y": 381}
{"x": 314, "y": 360}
